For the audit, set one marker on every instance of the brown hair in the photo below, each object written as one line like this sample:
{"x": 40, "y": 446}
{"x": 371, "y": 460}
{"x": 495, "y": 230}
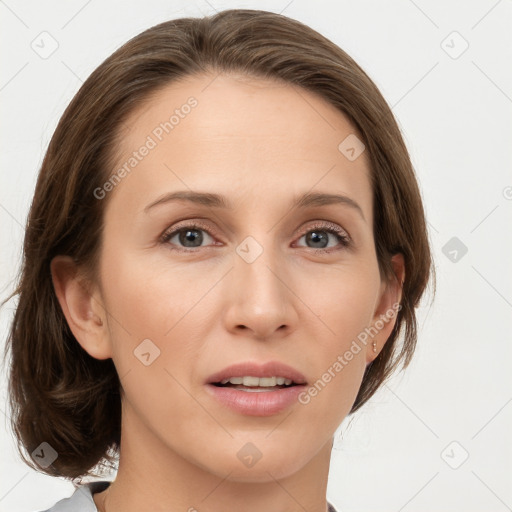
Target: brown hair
{"x": 61, "y": 395}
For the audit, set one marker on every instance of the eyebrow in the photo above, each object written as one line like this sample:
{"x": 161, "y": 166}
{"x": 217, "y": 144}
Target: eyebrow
{"x": 211, "y": 200}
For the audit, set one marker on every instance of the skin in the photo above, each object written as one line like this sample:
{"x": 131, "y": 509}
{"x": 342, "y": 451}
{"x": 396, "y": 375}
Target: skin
{"x": 262, "y": 144}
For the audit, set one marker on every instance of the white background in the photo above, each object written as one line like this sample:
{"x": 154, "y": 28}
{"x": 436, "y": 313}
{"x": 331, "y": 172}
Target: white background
{"x": 455, "y": 114}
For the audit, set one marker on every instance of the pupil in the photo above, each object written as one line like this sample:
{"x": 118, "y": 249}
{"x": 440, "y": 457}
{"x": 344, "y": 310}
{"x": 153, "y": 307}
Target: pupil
{"x": 317, "y": 236}
{"x": 191, "y": 236}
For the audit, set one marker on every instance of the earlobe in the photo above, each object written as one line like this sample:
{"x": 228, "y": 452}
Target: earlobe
{"x": 387, "y": 309}
{"x": 83, "y": 310}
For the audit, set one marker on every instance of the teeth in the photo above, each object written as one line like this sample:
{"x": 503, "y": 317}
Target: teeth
{"x": 250, "y": 381}
{"x": 233, "y": 380}
{"x": 266, "y": 381}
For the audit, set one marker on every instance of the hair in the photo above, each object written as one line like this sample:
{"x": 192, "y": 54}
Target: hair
{"x": 61, "y": 395}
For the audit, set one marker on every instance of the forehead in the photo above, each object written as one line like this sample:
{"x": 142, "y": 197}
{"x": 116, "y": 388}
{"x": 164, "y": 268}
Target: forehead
{"x": 239, "y": 135}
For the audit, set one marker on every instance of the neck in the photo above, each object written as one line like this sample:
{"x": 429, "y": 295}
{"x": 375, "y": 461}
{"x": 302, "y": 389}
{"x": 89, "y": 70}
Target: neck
{"x": 153, "y": 476}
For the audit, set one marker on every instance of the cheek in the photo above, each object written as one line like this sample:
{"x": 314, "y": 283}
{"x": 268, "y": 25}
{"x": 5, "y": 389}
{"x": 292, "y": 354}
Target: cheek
{"x": 152, "y": 333}
{"x": 162, "y": 313}
{"x": 343, "y": 306}
{"x": 343, "y": 299}
{"x": 147, "y": 302}
{"x": 148, "y": 299}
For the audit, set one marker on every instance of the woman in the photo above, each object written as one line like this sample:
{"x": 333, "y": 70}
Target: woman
{"x": 223, "y": 258}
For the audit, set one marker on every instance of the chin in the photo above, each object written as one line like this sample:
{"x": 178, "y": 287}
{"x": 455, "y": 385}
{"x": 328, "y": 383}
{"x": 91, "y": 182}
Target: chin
{"x": 267, "y": 465}
{"x": 263, "y": 472}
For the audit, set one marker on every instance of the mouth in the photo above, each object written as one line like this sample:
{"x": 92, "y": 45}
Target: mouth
{"x": 252, "y": 384}
{"x": 256, "y": 389}
{"x": 249, "y": 375}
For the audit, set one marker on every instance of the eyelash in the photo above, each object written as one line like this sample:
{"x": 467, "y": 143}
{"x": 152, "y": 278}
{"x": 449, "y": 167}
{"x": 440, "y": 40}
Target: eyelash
{"x": 342, "y": 236}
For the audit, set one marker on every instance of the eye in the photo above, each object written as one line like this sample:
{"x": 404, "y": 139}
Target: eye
{"x": 186, "y": 237}
{"x": 319, "y": 235}
{"x": 191, "y": 236}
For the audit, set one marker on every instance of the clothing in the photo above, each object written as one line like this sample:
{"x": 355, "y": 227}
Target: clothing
{"x": 81, "y": 500}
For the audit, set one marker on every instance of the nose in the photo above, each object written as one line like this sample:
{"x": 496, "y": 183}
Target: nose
{"x": 260, "y": 302}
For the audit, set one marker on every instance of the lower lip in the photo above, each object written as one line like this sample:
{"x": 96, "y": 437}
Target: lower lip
{"x": 256, "y": 403}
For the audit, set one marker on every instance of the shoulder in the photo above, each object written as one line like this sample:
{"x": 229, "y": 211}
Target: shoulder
{"x": 81, "y": 500}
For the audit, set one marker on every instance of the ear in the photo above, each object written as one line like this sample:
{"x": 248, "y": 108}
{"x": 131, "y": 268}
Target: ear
{"x": 388, "y": 306}
{"x": 82, "y": 306}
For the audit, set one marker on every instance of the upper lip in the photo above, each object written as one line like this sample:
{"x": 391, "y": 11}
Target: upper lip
{"x": 249, "y": 368}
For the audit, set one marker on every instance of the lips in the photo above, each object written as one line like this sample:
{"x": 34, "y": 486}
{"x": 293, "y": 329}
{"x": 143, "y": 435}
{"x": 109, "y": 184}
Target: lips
{"x": 252, "y": 369}
{"x": 253, "y": 399}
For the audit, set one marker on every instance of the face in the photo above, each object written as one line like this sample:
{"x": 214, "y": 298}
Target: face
{"x": 257, "y": 272}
